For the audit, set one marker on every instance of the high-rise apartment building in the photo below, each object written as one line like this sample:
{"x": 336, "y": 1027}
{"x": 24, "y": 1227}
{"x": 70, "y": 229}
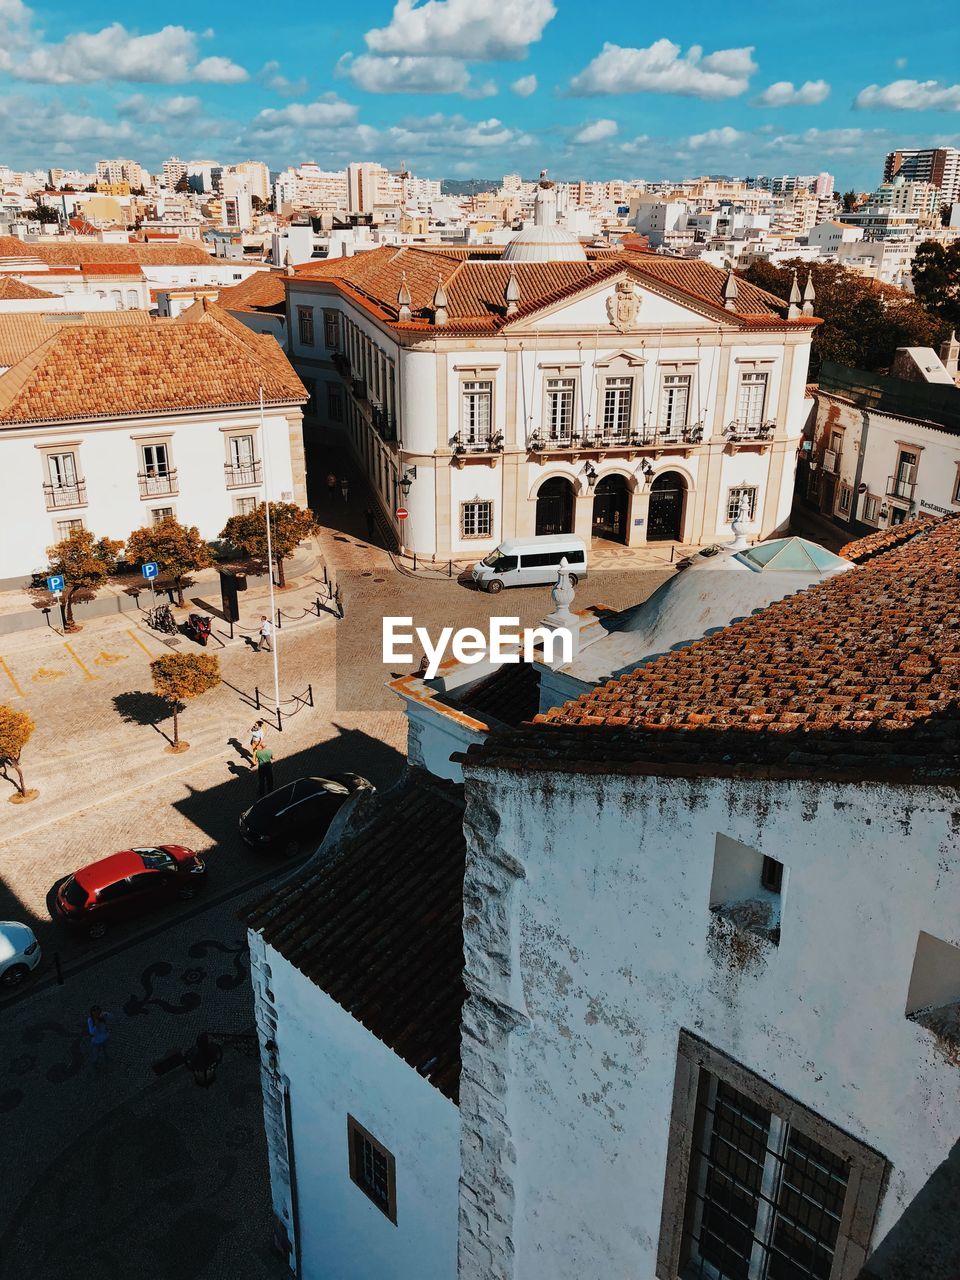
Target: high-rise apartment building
{"x": 257, "y": 177}
{"x": 173, "y": 170}
{"x": 115, "y": 172}
{"x": 939, "y": 165}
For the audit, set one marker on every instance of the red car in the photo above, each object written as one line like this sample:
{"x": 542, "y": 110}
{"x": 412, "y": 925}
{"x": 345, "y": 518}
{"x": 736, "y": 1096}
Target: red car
{"x": 128, "y": 884}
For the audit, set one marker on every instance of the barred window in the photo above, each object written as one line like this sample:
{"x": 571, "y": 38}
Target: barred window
{"x": 843, "y": 501}
{"x": 751, "y": 399}
{"x": 617, "y": 400}
{"x": 560, "y": 397}
{"x": 476, "y": 519}
{"x": 734, "y": 497}
{"x": 160, "y": 513}
{"x": 675, "y": 401}
{"x": 477, "y": 406}
{"x": 331, "y": 330}
{"x": 372, "y": 1168}
{"x": 305, "y": 322}
{"x": 66, "y": 527}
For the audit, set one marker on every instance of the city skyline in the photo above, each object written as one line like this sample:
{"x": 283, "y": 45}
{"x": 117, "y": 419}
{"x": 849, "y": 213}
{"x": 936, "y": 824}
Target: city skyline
{"x": 463, "y": 90}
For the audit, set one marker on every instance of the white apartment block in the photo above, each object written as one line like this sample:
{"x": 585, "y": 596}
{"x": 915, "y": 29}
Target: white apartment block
{"x": 310, "y": 187}
{"x": 937, "y": 165}
{"x": 173, "y": 171}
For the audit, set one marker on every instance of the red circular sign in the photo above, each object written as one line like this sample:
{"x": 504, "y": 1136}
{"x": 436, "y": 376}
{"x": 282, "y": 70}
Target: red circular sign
{"x": 402, "y": 513}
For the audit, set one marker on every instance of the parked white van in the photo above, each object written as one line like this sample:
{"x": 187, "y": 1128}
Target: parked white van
{"x": 531, "y": 562}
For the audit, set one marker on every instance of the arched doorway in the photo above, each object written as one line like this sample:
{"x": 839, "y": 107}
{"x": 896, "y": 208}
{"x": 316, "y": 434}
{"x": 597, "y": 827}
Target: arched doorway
{"x": 665, "y": 519}
{"x": 555, "y": 506}
{"x": 611, "y": 501}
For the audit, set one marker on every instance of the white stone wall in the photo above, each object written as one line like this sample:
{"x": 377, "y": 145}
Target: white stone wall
{"x": 335, "y": 1067}
{"x": 588, "y": 931}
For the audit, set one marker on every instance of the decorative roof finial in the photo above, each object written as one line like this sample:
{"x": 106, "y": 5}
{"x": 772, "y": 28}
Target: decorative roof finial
{"x": 403, "y": 299}
{"x": 739, "y": 526}
{"x": 562, "y": 617}
{"x": 730, "y": 291}
{"x": 809, "y": 295}
{"x": 288, "y": 260}
{"x": 793, "y": 310}
{"x": 511, "y": 293}
{"x": 440, "y": 302}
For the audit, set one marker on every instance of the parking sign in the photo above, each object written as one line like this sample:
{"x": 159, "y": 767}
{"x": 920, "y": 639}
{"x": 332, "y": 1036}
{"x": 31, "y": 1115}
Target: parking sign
{"x": 55, "y": 582}
{"x": 149, "y": 570}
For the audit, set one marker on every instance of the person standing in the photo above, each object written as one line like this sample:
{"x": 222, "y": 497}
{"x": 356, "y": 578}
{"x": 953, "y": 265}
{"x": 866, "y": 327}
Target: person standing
{"x": 99, "y": 1034}
{"x": 266, "y": 631}
{"x": 264, "y": 758}
{"x": 331, "y": 484}
{"x": 256, "y": 741}
{"x": 345, "y": 489}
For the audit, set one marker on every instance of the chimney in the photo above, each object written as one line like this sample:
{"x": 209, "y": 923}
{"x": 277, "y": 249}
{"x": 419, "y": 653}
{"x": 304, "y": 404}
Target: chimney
{"x": 440, "y": 303}
{"x": 403, "y": 299}
{"x": 512, "y": 294}
{"x": 730, "y": 291}
{"x": 950, "y": 354}
{"x": 809, "y": 295}
{"x": 793, "y": 310}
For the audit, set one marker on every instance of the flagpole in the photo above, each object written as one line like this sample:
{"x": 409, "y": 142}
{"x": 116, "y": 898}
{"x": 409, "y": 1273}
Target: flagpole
{"x": 273, "y": 604}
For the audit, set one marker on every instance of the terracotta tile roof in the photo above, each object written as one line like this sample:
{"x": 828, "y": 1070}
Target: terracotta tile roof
{"x": 379, "y": 925}
{"x": 22, "y": 331}
{"x": 263, "y": 291}
{"x": 12, "y": 290}
{"x": 73, "y": 252}
{"x": 111, "y": 269}
{"x": 857, "y": 677}
{"x": 874, "y": 544}
{"x": 203, "y": 360}
{"x": 475, "y": 286}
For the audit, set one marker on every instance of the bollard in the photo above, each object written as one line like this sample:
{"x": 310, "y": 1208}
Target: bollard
{"x": 414, "y": 562}
{"x": 310, "y": 694}
{"x": 449, "y": 568}
{"x": 279, "y": 720}
{"x": 256, "y": 694}
{"x": 279, "y": 623}
{"x": 672, "y": 550}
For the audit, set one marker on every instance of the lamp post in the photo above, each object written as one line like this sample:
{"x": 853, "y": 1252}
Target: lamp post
{"x": 590, "y": 474}
{"x": 405, "y": 483}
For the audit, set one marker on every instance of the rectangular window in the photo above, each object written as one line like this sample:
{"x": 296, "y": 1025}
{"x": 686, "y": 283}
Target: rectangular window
{"x": 617, "y": 401}
{"x": 156, "y": 460}
{"x": 160, "y": 513}
{"x": 156, "y": 474}
{"x": 870, "y": 508}
{"x": 477, "y": 412}
{"x": 331, "y": 330}
{"x": 243, "y": 506}
{"x": 759, "y": 1187}
{"x": 843, "y": 501}
{"x": 241, "y": 451}
{"x": 751, "y": 399}
{"x": 62, "y": 469}
{"x": 746, "y": 494}
{"x": 956, "y": 487}
{"x": 560, "y": 398}
{"x": 476, "y": 519}
{"x": 305, "y": 322}
{"x": 372, "y": 1168}
{"x": 66, "y": 527}
{"x": 334, "y": 402}
{"x": 675, "y": 402}
{"x": 906, "y": 474}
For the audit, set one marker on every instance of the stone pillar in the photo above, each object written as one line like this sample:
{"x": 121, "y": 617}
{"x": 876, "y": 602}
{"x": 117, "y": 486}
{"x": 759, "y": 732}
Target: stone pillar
{"x": 583, "y": 514}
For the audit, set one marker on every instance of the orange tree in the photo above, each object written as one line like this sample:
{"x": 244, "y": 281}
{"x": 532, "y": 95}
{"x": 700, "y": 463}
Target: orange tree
{"x": 85, "y": 563}
{"x": 289, "y": 525}
{"x": 15, "y": 730}
{"x": 178, "y": 677}
{"x": 175, "y": 548}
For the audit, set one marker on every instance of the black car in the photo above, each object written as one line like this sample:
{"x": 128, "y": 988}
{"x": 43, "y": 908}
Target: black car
{"x": 297, "y": 816}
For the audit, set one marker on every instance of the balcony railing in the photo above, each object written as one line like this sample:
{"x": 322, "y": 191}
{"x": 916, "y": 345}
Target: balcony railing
{"x": 478, "y": 444}
{"x": 359, "y": 388}
{"x": 341, "y": 363}
{"x": 384, "y": 424}
{"x": 651, "y": 437}
{"x": 738, "y": 431}
{"x": 157, "y": 484}
{"x": 900, "y": 487}
{"x": 59, "y": 496}
{"x": 245, "y": 473}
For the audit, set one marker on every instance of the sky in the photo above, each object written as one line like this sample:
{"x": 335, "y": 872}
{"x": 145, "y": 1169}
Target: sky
{"x": 479, "y": 88}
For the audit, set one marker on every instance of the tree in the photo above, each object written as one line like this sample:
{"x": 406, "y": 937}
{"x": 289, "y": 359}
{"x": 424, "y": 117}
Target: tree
{"x": 84, "y": 562}
{"x": 178, "y": 677}
{"x": 936, "y": 279}
{"x": 177, "y": 549}
{"x": 15, "y": 730}
{"x": 863, "y": 322}
{"x": 258, "y": 204}
{"x": 289, "y": 525}
{"x": 849, "y": 201}
{"x": 183, "y": 184}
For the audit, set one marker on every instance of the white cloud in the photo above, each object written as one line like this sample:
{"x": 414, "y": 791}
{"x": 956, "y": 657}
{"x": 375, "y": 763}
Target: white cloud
{"x": 475, "y": 30}
{"x": 597, "y": 131}
{"x": 525, "y": 86}
{"x": 396, "y": 74}
{"x": 168, "y": 56}
{"x": 823, "y": 142}
{"x": 635, "y": 145}
{"x": 911, "y": 95}
{"x": 722, "y": 137}
{"x": 783, "y": 94}
{"x": 439, "y": 132}
{"x": 661, "y": 69}
{"x": 271, "y": 76}
{"x": 159, "y": 110}
{"x": 327, "y": 112}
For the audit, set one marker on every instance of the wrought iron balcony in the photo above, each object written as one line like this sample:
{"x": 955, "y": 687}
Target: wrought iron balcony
{"x": 157, "y": 483}
{"x": 341, "y": 363}
{"x": 901, "y": 487}
{"x": 359, "y": 388}
{"x": 59, "y": 496}
{"x": 245, "y": 473}
{"x": 384, "y": 424}
{"x": 479, "y": 444}
{"x": 739, "y": 431}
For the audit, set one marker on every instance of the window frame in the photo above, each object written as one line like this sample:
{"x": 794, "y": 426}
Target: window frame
{"x": 560, "y": 393}
{"x": 749, "y": 415}
{"x": 867, "y": 1168}
{"x": 616, "y": 408}
{"x": 733, "y": 497}
{"x": 305, "y": 325}
{"x": 355, "y": 1130}
{"x": 675, "y": 388}
{"x": 473, "y": 393}
{"x": 476, "y": 502}
{"x": 331, "y": 327}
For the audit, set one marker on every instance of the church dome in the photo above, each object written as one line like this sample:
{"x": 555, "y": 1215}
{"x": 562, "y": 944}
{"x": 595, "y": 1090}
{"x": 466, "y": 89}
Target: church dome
{"x": 544, "y": 244}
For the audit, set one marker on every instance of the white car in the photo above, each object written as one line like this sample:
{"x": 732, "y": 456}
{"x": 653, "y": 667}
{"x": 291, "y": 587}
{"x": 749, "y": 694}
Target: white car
{"x": 19, "y": 952}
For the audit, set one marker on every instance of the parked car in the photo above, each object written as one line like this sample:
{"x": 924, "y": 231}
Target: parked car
{"x": 128, "y": 884}
{"x": 531, "y": 562}
{"x": 298, "y": 814}
{"x": 19, "y": 952}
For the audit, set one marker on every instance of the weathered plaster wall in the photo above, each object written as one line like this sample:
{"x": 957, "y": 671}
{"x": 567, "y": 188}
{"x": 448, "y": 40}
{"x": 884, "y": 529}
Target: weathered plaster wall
{"x": 589, "y": 943}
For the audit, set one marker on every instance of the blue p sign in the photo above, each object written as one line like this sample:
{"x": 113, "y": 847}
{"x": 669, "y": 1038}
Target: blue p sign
{"x": 55, "y": 582}
{"x": 149, "y": 570}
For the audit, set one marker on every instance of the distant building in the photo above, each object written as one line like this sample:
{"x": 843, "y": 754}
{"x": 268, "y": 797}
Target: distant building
{"x": 115, "y": 173}
{"x": 937, "y": 165}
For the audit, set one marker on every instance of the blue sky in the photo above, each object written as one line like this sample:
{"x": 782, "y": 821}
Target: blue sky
{"x": 461, "y": 88}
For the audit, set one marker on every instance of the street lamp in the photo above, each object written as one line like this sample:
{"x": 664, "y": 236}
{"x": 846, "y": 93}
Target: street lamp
{"x": 407, "y": 479}
{"x": 646, "y": 469}
{"x": 590, "y": 472}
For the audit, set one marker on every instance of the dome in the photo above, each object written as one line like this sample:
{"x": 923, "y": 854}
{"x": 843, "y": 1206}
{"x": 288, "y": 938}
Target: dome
{"x": 544, "y": 244}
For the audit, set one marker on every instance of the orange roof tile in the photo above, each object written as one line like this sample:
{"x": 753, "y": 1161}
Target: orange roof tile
{"x": 203, "y": 360}
{"x": 13, "y": 290}
{"x": 22, "y": 331}
{"x": 66, "y": 252}
{"x": 263, "y": 291}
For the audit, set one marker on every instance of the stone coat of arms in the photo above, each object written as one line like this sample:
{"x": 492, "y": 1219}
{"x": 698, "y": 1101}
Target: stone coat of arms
{"x": 623, "y": 305}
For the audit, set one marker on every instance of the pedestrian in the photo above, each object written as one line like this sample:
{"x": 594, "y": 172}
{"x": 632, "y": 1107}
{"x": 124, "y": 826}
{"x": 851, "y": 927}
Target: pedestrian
{"x": 264, "y": 758}
{"x": 338, "y": 599}
{"x": 371, "y": 520}
{"x": 345, "y": 489}
{"x": 256, "y": 741}
{"x": 99, "y": 1034}
{"x": 331, "y": 484}
{"x": 266, "y": 631}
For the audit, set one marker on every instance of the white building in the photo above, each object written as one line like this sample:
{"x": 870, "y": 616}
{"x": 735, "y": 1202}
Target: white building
{"x": 827, "y": 237}
{"x": 625, "y": 396}
{"x": 109, "y": 428}
{"x": 236, "y": 205}
{"x": 938, "y": 165}
{"x": 886, "y": 447}
{"x": 173, "y": 171}
{"x": 116, "y": 172}
{"x": 257, "y": 176}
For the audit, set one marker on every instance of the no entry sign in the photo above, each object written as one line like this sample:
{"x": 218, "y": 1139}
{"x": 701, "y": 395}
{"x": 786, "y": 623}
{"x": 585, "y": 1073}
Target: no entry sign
{"x": 402, "y": 513}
